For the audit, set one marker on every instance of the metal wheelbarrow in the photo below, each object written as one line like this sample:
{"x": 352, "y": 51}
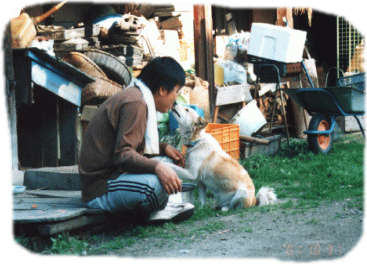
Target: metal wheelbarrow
{"x": 325, "y": 105}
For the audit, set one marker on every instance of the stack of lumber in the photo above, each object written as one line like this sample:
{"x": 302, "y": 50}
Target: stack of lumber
{"x": 266, "y": 105}
{"x": 168, "y": 19}
{"x": 172, "y": 23}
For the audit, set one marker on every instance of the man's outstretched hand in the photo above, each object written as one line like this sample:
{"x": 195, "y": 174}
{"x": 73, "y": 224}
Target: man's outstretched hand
{"x": 168, "y": 178}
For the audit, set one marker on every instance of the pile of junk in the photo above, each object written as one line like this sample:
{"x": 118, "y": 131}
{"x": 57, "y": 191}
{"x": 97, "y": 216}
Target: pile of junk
{"x": 106, "y": 46}
{"x": 251, "y": 78}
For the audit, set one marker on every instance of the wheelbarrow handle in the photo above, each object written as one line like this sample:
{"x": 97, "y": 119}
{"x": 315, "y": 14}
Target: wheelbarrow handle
{"x": 360, "y": 125}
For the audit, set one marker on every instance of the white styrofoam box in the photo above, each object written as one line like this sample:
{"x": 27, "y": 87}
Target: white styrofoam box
{"x": 276, "y": 43}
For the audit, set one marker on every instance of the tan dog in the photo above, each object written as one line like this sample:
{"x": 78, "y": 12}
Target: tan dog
{"x": 213, "y": 168}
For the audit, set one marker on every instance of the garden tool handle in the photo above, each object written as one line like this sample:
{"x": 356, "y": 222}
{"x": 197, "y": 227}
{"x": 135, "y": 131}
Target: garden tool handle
{"x": 48, "y": 13}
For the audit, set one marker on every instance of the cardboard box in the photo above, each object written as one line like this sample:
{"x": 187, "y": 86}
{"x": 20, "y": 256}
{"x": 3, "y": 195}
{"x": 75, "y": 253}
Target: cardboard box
{"x": 276, "y": 43}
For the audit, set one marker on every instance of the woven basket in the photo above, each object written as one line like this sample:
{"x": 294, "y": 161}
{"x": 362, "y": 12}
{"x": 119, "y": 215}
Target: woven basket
{"x": 84, "y": 64}
{"x": 97, "y": 92}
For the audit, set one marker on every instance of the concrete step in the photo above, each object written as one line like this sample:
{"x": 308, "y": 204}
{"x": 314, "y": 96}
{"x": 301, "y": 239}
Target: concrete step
{"x": 53, "y": 178}
{"x": 17, "y": 177}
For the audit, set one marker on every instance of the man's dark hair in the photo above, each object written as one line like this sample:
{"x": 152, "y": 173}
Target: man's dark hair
{"x": 162, "y": 71}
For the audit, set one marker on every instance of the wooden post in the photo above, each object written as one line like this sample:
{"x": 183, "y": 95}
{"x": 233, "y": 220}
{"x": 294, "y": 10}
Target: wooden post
{"x": 300, "y": 115}
{"x": 287, "y": 13}
{"x": 203, "y": 34}
{"x": 11, "y": 98}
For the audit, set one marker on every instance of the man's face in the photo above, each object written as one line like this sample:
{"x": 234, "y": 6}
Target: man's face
{"x": 164, "y": 100}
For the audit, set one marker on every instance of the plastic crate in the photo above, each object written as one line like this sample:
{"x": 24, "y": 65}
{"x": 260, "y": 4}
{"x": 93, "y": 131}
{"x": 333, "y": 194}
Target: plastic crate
{"x": 228, "y": 136}
{"x": 356, "y": 81}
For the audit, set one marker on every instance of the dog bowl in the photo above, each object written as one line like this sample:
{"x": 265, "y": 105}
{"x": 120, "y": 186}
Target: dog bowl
{"x": 186, "y": 196}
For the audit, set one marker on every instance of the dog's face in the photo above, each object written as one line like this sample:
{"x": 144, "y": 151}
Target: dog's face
{"x": 187, "y": 118}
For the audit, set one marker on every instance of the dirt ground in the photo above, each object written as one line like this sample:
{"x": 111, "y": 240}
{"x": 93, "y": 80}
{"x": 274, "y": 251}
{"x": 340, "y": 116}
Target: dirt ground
{"x": 332, "y": 231}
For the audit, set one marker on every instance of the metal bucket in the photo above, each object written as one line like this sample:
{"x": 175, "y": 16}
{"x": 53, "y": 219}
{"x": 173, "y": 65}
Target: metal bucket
{"x": 186, "y": 196}
{"x": 250, "y": 119}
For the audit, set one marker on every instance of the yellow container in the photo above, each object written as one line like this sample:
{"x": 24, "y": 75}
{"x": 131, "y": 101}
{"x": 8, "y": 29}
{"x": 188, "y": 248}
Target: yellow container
{"x": 218, "y": 75}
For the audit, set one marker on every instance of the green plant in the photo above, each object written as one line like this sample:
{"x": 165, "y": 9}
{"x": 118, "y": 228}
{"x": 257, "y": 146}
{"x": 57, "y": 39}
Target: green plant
{"x": 22, "y": 241}
{"x": 115, "y": 243}
{"x": 173, "y": 139}
{"x": 190, "y": 71}
{"x": 65, "y": 244}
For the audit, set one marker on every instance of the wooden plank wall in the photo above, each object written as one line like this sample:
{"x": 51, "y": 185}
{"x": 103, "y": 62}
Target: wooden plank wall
{"x": 204, "y": 65}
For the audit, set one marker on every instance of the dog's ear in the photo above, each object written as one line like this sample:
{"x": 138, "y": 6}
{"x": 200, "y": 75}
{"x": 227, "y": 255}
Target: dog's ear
{"x": 201, "y": 123}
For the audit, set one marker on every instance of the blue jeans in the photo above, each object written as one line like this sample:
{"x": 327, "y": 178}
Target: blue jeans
{"x": 139, "y": 193}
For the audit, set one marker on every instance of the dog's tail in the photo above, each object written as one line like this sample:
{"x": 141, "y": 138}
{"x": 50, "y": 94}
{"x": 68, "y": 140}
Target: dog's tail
{"x": 266, "y": 196}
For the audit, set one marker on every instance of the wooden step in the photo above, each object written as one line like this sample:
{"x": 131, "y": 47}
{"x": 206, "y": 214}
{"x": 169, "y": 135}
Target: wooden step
{"x": 53, "y": 178}
{"x": 48, "y": 212}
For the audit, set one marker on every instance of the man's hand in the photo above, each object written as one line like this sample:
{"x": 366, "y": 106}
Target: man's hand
{"x": 169, "y": 179}
{"x": 175, "y": 155}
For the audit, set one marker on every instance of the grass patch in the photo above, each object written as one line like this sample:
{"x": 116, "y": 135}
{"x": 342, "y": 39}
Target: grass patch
{"x": 67, "y": 245}
{"x": 297, "y": 173}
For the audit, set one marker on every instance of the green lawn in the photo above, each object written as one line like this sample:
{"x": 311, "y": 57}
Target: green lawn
{"x": 297, "y": 173}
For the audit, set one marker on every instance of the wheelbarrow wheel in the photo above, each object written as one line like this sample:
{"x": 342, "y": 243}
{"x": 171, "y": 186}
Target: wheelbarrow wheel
{"x": 321, "y": 143}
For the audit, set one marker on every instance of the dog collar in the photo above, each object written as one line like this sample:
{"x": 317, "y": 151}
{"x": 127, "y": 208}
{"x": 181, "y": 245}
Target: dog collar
{"x": 192, "y": 144}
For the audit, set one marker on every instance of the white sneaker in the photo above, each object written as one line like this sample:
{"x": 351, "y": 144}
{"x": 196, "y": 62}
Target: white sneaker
{"x": 176, "y": 212}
